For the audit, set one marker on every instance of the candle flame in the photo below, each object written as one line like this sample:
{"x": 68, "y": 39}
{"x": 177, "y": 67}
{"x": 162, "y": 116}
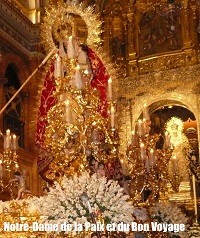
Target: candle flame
{"x": 112, "y": 109}
{"x": 67, "y": 102}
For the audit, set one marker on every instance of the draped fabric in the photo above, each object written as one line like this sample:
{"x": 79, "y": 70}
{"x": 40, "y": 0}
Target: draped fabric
{"x": 114, "y": 169}
{"x": 100, "y": 79}
{"x": 47, "y": 101}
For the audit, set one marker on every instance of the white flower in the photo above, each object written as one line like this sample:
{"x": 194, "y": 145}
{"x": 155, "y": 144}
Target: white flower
{"x": 140, "y": 214}
{"x": 170, "y": 213}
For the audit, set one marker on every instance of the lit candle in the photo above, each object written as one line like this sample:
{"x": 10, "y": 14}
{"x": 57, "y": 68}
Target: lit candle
{"x": 133, "y": 138}
{"x": 109, "y": 89}
{"x": 57, "y": 67}
{"x": 67, "y": 111}
{"x": 70, "y": 48}
{"x": 7, "y": 140}
{"x": 78, "y": 80}
{"x": 1, "y": 169}
{"x": 142, "y": 151}
{"x": 14, "y": 142}
{"x": 144, "y": 127}
{"x": 139, "y": 127}
{"x": 8, "y": 133}
{"x": 195, "y": 196}
{"x": 112, "y": 116}
{"x": 151, "y": 157}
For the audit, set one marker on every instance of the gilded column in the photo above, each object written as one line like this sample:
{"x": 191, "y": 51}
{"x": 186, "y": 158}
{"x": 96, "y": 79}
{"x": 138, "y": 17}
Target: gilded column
{"x": 186, "y": 27}
{"x": 131, "y": 41}
{"x": 193, "y": 30}
{"x": 107, "y": 33}
{"x": 131, "y": 38}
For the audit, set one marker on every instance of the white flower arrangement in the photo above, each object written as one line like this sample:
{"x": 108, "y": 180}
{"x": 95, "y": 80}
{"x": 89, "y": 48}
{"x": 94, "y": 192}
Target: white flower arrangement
{"x": 63, "y": 202}
{"x": 169, "y": 213}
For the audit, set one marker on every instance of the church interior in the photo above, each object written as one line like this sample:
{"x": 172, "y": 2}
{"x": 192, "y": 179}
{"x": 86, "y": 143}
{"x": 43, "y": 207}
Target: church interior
{"x": 99, "y": 118}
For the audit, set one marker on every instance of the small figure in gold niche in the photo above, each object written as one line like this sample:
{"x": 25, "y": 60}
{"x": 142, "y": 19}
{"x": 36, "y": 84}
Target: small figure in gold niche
{"x": 21, "y": 179}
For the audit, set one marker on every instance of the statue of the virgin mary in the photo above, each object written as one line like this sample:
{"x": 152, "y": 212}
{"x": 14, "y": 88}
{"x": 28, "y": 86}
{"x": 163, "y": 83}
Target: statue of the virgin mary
{"x": 178, "y": 164}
